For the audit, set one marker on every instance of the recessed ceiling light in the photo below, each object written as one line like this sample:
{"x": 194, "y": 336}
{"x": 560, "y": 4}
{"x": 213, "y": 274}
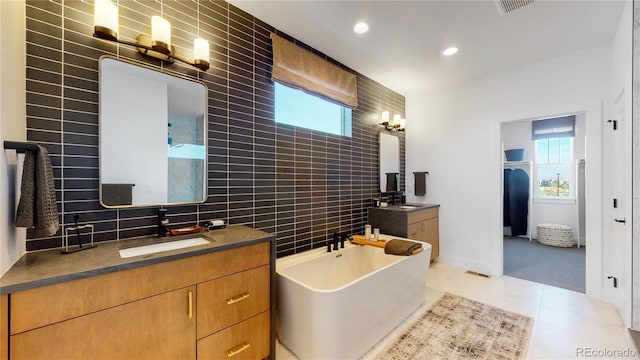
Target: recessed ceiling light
{"x": 361, "y": 28}
{"x": 450, "y": 51}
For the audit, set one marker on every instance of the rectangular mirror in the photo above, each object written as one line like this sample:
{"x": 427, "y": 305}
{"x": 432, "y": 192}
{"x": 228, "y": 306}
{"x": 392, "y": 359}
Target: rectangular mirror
{"x": 389, "y": 162}
{"x": 153, "y": 129}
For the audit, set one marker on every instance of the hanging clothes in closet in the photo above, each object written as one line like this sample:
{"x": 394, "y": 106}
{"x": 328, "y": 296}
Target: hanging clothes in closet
{"x": 506, "y": 205}
{"x": 516, "y": 201}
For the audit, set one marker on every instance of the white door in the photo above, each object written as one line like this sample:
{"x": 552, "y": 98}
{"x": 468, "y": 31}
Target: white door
{"x": 616, "y": 244}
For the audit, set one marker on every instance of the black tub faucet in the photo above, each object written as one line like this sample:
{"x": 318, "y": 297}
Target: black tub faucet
{"x": 344, "y": 237}
{"x": 334, "y": 242}
{"x": 336, "y": 239}
{"x": 162, "y": 222}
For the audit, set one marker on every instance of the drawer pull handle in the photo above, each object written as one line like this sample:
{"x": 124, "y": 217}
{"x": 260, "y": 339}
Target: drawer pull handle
{"x": 238, "y": 298}
{"x": 190, "y": 304}
{"x": 237, "y": 350}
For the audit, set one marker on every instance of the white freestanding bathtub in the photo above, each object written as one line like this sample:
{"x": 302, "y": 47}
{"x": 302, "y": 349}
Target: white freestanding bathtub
{"x": 338, "y": 305}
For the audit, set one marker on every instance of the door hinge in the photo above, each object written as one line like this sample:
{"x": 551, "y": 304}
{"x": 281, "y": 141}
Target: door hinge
{"x": 615, "y": 124}
{"x": 623, "y": 221}
{"x": 615, "y": 203}
{"x": 615, "y": 281}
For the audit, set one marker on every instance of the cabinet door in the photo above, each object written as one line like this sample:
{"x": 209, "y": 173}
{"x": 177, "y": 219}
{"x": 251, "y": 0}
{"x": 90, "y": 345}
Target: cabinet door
{"x": 159, "y": 327}
{"x": 426, "y": 231}
{"x": 4, "y": 327}
{"x": 432, "y": 236}
{"x": 415, "y": 231}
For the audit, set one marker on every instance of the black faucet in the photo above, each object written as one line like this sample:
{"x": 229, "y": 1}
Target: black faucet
{"x": 338, "y": 238}
{"x": 162, "y": 222}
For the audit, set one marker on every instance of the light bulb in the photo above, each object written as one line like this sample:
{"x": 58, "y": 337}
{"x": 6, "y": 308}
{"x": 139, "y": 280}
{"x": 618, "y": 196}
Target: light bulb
{"x": 361, "y": 28}
{"x": 160, "y": 35}
{"x": 450, "y": 51}
{"x": 105, "y": 19}
{"x": 201, "y": 53}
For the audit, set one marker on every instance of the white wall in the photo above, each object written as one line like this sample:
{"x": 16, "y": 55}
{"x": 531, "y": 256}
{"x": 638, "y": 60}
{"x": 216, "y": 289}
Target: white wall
{"x": 13, "y": 124}
{"x": 455, "y": 135}
{"x": 517, "y": 135}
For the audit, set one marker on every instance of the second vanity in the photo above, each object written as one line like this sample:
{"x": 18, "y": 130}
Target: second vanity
{"x": 208, "y": 301}
{"x": 412, "y": 221}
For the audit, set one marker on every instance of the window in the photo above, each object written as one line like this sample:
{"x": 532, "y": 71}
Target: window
{"x": 298, "y": 108}
{"x": 553, "y": 165}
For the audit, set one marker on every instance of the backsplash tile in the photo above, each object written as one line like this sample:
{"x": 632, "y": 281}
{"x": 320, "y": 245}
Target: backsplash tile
{"x": 300, "y": 185}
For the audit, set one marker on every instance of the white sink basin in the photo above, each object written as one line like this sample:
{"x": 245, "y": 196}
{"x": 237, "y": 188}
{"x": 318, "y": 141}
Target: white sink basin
{"x": 166, "y": 246}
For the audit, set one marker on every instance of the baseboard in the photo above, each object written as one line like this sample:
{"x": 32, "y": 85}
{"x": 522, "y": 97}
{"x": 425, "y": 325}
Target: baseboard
{"x": 634, "y": 338}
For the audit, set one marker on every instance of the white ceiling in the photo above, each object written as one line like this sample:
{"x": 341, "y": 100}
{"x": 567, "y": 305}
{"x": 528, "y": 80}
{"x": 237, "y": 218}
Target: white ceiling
{"x": 402, "y": 49}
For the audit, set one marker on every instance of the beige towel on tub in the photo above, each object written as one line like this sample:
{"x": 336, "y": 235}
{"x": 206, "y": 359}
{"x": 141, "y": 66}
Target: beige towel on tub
{"x": 37, "y": 207}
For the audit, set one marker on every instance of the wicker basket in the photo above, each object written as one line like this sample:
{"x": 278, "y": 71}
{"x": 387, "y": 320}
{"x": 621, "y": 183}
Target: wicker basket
{"x": 555, "y": 235}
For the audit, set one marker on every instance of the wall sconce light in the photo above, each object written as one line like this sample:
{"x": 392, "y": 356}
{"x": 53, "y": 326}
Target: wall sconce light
{"x": 160, "y": 35}
{"x": 397, "y": 124}
{"x": 157, "y": 46}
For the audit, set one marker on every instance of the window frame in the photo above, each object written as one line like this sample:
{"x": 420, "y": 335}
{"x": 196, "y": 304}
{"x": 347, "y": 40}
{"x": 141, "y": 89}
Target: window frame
{"x": 570, "y": 164}
{"x": 346, "y": 113}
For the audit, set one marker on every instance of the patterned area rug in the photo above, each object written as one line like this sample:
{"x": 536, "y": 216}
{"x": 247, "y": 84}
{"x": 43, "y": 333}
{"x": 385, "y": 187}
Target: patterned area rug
{"x": 459, "y": 328}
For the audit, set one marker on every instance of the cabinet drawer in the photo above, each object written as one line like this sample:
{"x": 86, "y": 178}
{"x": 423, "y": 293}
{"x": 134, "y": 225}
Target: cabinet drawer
{"x": 231, "y": 299}
{"x": 34, "y": 308}
{"x": 421, "y": 215}
{"x": 246, "y": 340}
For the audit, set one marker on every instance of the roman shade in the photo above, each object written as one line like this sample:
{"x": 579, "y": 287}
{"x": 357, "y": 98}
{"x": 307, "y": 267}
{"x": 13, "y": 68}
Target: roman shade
{"x": 559, "y": 127}
{"x": 297, "y": 67}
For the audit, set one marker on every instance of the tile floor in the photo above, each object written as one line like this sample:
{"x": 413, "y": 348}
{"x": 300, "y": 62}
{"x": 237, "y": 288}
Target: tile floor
{"x": 567, "y": 325}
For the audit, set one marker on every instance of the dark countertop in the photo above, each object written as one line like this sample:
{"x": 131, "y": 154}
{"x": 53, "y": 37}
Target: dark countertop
{"x": 40, "y": 268}
{"x": 408, "y": 207}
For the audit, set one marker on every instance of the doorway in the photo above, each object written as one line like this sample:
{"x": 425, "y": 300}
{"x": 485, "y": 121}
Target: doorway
{"x": 549, "y": 172}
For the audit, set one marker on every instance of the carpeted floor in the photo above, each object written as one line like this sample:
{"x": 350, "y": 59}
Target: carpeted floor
{"x": 459, "y": 328}
{"x": 550, "y": 265}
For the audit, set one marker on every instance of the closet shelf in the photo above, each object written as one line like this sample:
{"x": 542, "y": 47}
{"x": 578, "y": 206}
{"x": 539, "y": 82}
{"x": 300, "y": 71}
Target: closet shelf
{"x": 518, "y": 163}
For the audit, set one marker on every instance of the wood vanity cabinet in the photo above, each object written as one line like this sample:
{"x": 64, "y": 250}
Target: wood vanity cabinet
{"x": 4, "y": 327}
{"x": 173, "y": 310}
{"x": 416, "y": 224}
{"x": 423, "y": 225}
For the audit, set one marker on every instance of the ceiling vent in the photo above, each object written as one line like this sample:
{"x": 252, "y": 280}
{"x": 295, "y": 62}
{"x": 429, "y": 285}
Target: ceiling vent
{"x": 507, "y": 6}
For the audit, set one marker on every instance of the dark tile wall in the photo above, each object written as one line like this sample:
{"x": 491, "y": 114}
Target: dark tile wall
{"x": 298, "y": 184}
